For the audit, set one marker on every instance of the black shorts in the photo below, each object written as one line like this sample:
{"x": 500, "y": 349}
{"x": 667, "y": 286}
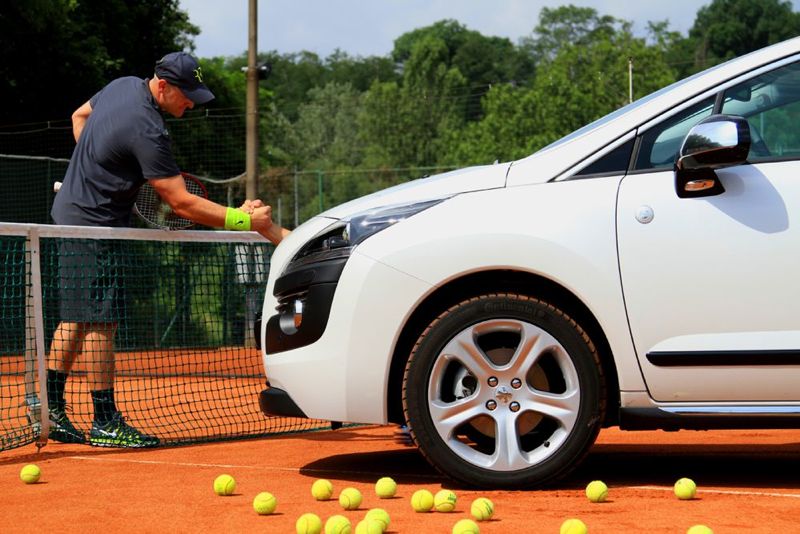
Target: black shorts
{"x": 91, "y": 281}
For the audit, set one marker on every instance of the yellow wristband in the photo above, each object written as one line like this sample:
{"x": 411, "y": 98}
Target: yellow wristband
{"x": 237, "y": 220}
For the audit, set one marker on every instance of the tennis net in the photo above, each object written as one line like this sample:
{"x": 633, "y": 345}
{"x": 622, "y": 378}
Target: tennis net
{"x": 182, "y": 306}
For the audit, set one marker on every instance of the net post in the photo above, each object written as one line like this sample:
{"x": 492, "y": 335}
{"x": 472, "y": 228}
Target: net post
{"x": 32, "y": 403}
{"x": 38, "y": 325}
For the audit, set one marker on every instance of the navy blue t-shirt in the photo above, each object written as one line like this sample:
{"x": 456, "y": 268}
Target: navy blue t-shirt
{"x": 123, "y": 143}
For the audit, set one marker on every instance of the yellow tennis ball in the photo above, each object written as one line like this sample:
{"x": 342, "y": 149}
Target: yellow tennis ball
{"x": 308, "y": 524}
{"x": 422, "y": 501}
{"x": 573, "y": 526}
{"x": 224, "y": 485}
{"x": 265, "y": 503}
{"x": 337, "y": 524}
{"x": 369, "y": 526}
{"x": 444, "y": 501}
{"x": 322, "y": 489}
{"x": 597, "y": 491}
{"x": 380, "y": 515}
{"x": 30, "y": 474}
{"x": 385, "y": 488}
{"x": 685, "y": 489}
{"x": 699, "y": 529}
{"x": 466, "y": 526}
{"x": 482, "y": 509}
{"x": 350, "y": 499}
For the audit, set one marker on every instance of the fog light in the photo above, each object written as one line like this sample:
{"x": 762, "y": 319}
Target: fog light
{"x": 291, "y": 317}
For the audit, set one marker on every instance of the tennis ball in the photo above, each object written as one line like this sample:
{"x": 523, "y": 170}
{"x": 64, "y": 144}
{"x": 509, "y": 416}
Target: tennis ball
{"x": 444, "y": 501}
{"x": 466, "y": 526}
{"x": 265, "y": 503}
{"x": 380, "y": 515}
{"x": 322, "y": 489}
{"x": 350, "y": 499}
{"x": 573, "y": 526}
{"x": 385, "y": 488}
{"x": 337, "y": 524}
{"x": 308, "y": 524}
{"x": 699, "y": 529}
{"x": 30, "y": 474}
{"x": 224, "y": 485}
{"x": 482, "y": 509}
{"x": 685, "y": 489}
{"x": 422, "y": 501}
{"x": 369, "y": 526}
{"x": 597, "y": 491}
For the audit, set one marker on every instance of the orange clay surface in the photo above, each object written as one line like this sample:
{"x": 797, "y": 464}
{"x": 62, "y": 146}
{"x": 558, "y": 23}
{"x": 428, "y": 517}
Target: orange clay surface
{"x": 748, "y": 481}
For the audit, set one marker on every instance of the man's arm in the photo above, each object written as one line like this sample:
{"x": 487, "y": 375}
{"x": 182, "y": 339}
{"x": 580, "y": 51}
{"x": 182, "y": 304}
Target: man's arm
{"x": 200, "y": 210}
{"x": 79, "y": 119}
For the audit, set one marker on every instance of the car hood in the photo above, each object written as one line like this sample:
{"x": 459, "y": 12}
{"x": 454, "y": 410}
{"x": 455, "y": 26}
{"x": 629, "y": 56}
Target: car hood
{"x": 438, "y": 186}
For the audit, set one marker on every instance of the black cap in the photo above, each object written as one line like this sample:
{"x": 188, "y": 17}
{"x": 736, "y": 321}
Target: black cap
{"x": 183, "y": 71}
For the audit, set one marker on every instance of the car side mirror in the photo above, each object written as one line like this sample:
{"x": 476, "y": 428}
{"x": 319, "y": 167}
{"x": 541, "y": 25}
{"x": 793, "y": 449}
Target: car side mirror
{"x": 715, "y": 143}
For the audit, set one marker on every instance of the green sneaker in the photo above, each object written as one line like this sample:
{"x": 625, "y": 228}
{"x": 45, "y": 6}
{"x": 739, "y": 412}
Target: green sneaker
{"x": 62, "y": 429}
{"x": 117, "y": 433}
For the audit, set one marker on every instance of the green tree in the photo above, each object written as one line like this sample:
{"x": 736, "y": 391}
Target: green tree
{"x": 581, "y": 82}
{"x": 483, "y": 61}
{"x": 401, "y": 124}
{"x": 325, "y": 136}
{"x": 569, "y": 25}
{"x": 57, "y": 53}
{"x": 728, "y": 28}
{"x": 358, "y": 72}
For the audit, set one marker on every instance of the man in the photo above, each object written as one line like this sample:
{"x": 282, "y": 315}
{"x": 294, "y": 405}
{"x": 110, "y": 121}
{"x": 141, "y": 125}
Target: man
{"x": 121, "y": 142}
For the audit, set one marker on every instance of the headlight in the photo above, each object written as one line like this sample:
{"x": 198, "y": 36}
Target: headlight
{"x": 339, "y": 239}
{"x": 362, "y": 225}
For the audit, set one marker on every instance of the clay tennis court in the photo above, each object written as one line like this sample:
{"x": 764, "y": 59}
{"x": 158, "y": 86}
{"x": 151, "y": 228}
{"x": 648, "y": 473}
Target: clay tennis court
{"x": 747, "y": 482}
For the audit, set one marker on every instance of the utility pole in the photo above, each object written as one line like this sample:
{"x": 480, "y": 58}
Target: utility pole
{"x": 251, "y": 157}
{"x": 251, "y": 165}
{"x": 630, "y": 80}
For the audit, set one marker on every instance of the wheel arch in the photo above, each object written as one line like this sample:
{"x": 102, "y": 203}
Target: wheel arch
{"x": 482, "y": 282}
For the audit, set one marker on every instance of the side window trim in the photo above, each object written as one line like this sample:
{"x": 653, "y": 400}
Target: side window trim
{"x": 571, "y": 173}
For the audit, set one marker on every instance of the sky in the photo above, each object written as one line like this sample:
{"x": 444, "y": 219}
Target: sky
{"x": 369, "y": 27}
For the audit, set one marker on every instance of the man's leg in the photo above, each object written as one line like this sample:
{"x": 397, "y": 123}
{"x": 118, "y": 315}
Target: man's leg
{"x": 109, "y": 428}
{"x": 98, "y": 349}
{"x": 64, "y": 349}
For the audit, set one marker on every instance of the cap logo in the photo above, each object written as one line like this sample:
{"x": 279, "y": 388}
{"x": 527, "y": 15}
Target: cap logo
{"x": 198, "y": 74}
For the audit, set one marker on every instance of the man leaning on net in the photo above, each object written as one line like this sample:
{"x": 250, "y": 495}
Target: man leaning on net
{"x": 121, "y": 142}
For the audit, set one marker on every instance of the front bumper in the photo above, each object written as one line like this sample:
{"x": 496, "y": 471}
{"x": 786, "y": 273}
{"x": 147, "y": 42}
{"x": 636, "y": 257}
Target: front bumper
{"x": 274, "y": 401}
{"x": 343, "y": 375}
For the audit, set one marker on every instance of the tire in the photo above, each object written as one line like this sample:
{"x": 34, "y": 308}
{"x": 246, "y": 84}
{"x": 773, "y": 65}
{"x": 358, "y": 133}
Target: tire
{"x": 504, "y": 391}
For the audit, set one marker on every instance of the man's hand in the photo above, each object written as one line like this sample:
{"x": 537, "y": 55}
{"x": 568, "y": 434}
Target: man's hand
{"x": 261, "y": 222}
{"x": 250, "y": 206}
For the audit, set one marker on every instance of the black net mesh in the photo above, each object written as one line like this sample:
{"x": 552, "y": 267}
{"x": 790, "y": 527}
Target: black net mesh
{"x": 167, "y": 325}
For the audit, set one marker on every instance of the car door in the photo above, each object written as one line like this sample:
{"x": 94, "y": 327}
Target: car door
{"x": 710, "y": 284}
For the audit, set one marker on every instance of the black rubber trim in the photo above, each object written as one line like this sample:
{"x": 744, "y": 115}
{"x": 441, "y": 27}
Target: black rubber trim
{"x": 274, "y": 401}
{"x": 658, "y": 419}
{"x": 257, "y": 330}
{"x": 317, "y": 273}
{"x": 724, "y": 358}
{"x": 317, "y": 310}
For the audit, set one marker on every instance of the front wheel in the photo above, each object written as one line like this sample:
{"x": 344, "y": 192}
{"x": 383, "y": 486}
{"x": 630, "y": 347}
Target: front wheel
{"x": 504, "y": 390}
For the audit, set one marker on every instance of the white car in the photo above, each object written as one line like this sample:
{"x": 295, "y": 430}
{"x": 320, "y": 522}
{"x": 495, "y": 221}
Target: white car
{"x": 640, "y": 272}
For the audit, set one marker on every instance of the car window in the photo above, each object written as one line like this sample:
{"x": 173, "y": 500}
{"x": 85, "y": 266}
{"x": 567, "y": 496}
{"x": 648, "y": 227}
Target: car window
{"x": 615, "y": 162}
{"x": 771, "y": 104}
{"x": 659, "y": 145}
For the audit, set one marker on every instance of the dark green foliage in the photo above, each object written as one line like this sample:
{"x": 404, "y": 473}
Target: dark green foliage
{"x": 58, "y": 53}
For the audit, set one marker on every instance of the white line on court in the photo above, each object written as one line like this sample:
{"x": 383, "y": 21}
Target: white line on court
{"x": 234, "y": 466}
{"x": 722, "y": 492}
